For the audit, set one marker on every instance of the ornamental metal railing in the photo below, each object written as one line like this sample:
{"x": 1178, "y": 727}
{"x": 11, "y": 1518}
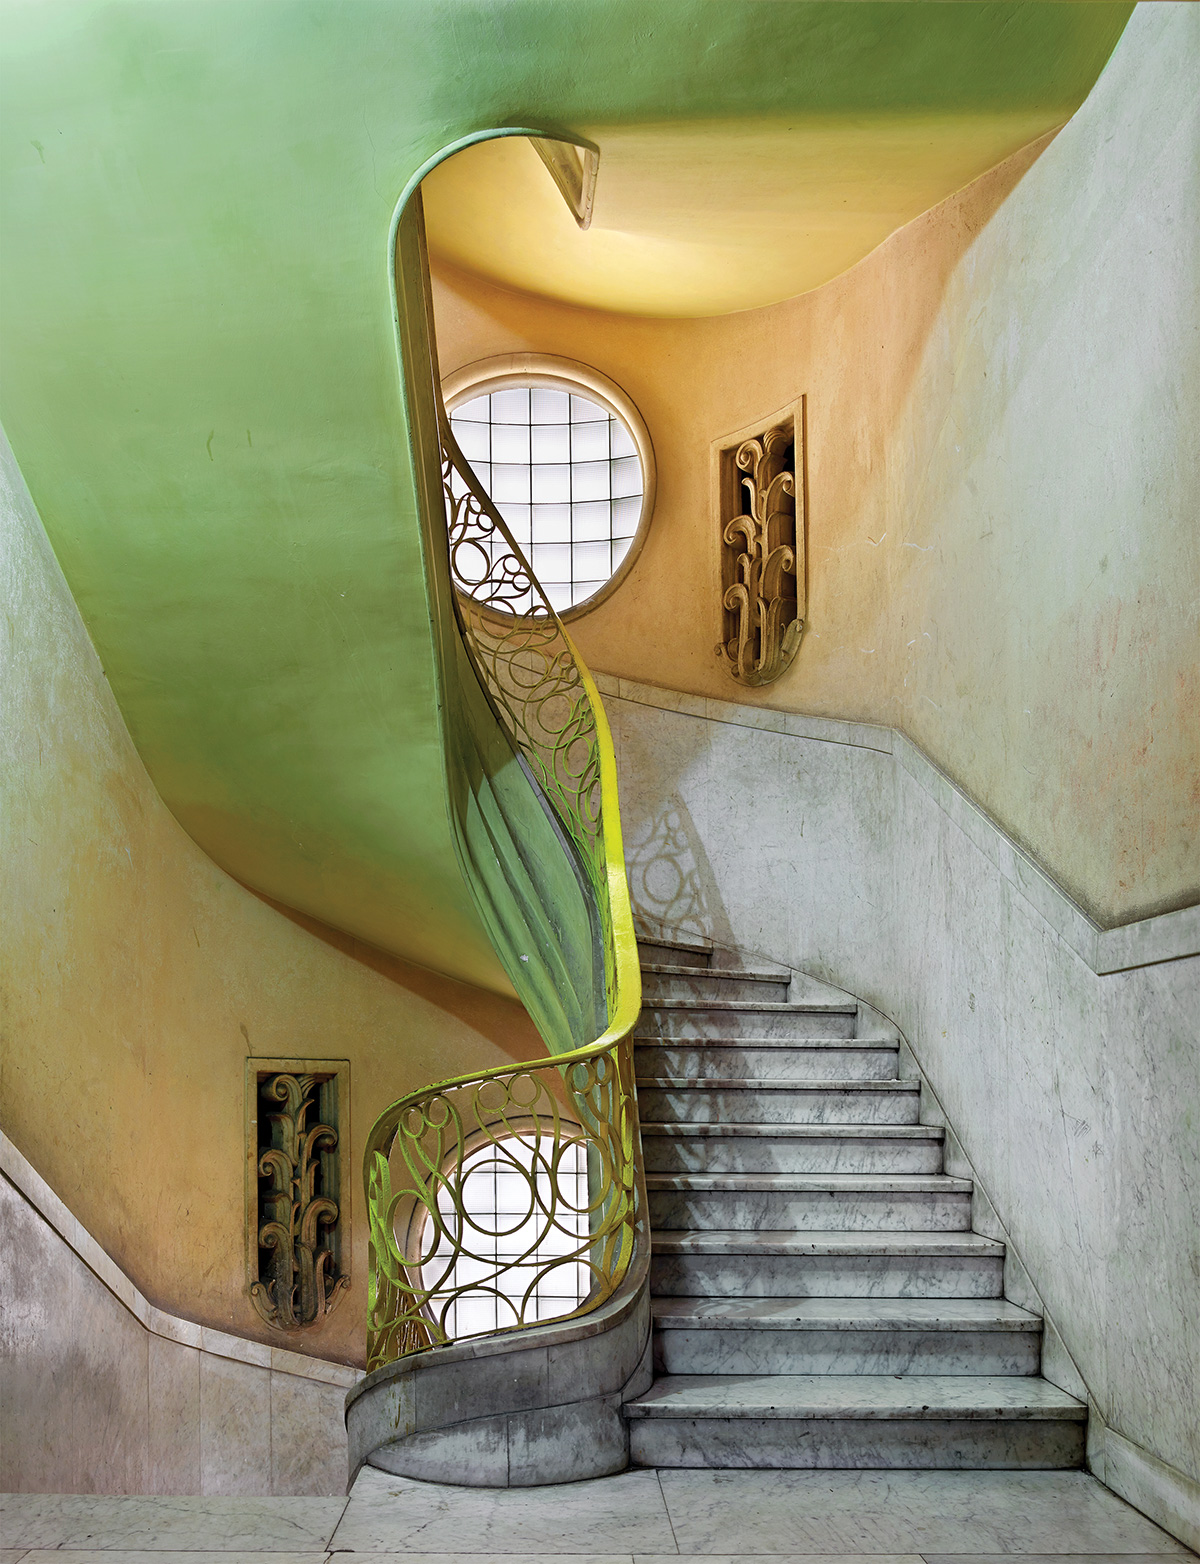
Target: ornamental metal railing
{"x": 554, "y": 1142}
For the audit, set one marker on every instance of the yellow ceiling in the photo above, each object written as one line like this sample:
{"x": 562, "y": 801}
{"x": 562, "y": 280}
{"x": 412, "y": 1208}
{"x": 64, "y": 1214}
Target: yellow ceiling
{"x": 707, "y": 218}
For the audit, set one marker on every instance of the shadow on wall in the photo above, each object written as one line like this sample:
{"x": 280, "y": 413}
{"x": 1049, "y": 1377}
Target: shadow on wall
{"x": 671, "y": 880}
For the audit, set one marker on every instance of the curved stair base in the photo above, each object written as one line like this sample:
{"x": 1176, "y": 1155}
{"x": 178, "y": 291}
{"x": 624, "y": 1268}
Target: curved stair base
{"x": 491, "y": 1413}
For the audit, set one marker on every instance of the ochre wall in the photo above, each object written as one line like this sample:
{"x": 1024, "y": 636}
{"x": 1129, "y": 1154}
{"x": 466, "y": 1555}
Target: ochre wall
{"x": 137, "y": 977}
{"x": 1004, "y": 475}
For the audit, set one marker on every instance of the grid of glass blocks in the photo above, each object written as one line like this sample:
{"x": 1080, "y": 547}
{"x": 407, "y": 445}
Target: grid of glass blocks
{"x": 564, "y": 472}
{"x": 504, "y": 1225}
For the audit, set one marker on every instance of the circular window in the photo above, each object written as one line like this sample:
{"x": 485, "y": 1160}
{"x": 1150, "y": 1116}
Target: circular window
{"x": 566, "y": 459}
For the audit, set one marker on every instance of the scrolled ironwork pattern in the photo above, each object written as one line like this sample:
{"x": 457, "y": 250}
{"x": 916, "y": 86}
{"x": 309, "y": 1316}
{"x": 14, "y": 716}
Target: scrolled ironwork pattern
{"x": 437, "y": 1256}
{"x": 762, "y": 621}
{"x": 302, "y": 1285}
{"x": 530, "y": 669}
{"x": 431, "y": 1256}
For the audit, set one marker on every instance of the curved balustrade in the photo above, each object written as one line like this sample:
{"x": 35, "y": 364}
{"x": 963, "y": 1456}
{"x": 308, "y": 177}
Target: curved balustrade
{"x": 430, "y": 1257}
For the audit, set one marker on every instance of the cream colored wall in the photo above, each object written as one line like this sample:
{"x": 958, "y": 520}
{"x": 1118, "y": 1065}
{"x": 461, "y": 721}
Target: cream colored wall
{"x": 137, "y": 977}
{"x": 1004, "y": 473}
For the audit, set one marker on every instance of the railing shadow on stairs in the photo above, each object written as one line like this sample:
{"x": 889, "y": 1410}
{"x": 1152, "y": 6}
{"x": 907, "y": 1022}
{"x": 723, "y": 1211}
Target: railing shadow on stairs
{"x": 501, "y": 1348}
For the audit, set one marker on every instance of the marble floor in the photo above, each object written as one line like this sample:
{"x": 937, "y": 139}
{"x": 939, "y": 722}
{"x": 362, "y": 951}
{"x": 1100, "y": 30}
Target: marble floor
{"x": 640, "y": 1517}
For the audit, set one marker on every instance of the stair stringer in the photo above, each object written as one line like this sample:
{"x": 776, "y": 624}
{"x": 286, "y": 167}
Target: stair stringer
{"x": 512, "y": 1411}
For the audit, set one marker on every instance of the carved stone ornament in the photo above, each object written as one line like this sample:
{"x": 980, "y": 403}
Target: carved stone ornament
{"x": 762, "y": 554}
{"x": 299, "y": 1280}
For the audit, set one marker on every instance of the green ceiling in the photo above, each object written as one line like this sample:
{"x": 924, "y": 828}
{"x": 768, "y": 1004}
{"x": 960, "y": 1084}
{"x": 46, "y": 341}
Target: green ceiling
{"x": 200, "y": 376}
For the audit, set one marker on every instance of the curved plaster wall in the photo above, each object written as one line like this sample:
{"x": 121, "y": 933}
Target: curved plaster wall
{"x": 200, "y": 375}
{"x": 138, "y": 977}
{"x": 1004, "y": 472}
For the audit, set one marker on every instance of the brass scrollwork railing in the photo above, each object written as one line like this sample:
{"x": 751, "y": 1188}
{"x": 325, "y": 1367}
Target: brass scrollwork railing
{"x": 559, "y": 1135}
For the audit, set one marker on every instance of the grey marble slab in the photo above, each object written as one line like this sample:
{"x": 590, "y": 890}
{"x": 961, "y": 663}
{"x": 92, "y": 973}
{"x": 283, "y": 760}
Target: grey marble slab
{"x": 523, "y": 1557}
{"x": 610, "y": 1514}
{"x": 878, "y": 1314}
{"x": 168, "y": 1556}
{"x": 826, "y": 1265}
{"x": 1047, "y": 1558}
{"x": 858, "y": 1444}
{"x": 751, "y": 1060}
{"x": 714, "y": 1512}
{"x": 781, "y": 1558}
{"x": 845, "y": 1351}
{"x": 736, "y": 1019}
{"x": 816, "y": 1209}
{"x": 160, "y": 1523}
{"x": 845, "y": 1243}
{"x": 774, "y": 1102}
{"x": 791, "y": 1148}
{"x": 909, "y": 1397}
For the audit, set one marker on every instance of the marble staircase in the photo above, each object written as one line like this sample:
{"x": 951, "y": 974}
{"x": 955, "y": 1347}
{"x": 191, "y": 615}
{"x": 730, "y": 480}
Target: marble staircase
{"x": 819, "y": 1297}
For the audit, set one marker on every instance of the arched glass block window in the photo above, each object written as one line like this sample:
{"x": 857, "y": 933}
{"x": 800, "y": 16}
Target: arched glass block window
{"x": 566, "y": 459}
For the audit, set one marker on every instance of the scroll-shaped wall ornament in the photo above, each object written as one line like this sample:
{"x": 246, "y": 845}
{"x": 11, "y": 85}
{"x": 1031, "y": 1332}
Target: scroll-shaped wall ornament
{"x": 297, "y": 1241}
{"x": 761, "y": 498}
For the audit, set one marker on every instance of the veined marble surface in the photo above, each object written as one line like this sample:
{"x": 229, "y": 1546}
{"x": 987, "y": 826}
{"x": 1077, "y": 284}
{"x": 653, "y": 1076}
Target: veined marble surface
{"x": 644, "y": 1517}
{"x": 102, "y": 1392}
{"x": 1074, "y": 1092}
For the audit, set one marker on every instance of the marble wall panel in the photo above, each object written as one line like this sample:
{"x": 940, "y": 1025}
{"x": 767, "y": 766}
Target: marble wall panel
{"x": 73, "y": 1381}
{"x": 93, "y": 1400}
{"x": 308, "y": 1437}
{"x": 235, "y": 1427}
{"x": 174, "y": 1417}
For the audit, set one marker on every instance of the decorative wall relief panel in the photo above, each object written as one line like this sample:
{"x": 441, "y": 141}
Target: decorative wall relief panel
{"x": 762, "y": 500}
{"x": 297, "y": 1188}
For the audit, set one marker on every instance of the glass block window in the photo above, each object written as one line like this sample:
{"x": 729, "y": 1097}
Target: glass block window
{"x": 513, "y": 1210}
{"x": 563, "y": 470}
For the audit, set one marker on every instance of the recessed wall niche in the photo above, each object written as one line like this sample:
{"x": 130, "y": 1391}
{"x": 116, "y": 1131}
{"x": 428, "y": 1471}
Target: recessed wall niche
{"x": 761, "y": 500}
{"x": 297, "y": 1188}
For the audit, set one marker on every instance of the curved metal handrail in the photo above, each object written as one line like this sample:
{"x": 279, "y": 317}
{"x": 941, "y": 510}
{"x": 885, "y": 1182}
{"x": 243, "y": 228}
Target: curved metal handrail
{"x": 418, "y": 1152}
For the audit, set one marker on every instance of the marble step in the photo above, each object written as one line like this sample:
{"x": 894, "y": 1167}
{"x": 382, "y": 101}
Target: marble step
{"x": 825, "y": 1265}
{"x": 675, "y": 952}
{"x": 792, "y": 1148}
{"x": 666, "y": 1099}
{"x": 809, "y": 1202}
{"x": 845, "y": 1336}
{"x": 668, "y": 980}
{"x": 699, "y": 952}
{"x": 738, "y": 1018}
{"x": 812, "y": 1059}
{"x": 955, "y": 1421}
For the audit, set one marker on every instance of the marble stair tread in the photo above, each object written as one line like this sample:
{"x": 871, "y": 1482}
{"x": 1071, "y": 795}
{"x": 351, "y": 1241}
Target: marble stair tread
{"x": 777, "y": 1083}
{"x": 857, "y": 1314}
{"x": 667, "y": 1040}
{"x": 725, "y": 1241}
{"x": 811, "y": 1006}
{"x": 849, "y": 1183}
{"x": 698, "y": 947}
{"x": 757, "y": 974}
{"x": 915, "y": 1397}
{"x": 680, "y": 1130}
{"x": 712, "y": 958}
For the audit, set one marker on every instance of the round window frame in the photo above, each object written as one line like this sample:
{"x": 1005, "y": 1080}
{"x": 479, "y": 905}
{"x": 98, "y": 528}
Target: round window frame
{"x": 512, "y": 371}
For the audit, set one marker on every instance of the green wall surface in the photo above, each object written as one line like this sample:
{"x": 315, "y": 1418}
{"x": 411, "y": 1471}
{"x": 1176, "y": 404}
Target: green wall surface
{"x": 201, "y": 380}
